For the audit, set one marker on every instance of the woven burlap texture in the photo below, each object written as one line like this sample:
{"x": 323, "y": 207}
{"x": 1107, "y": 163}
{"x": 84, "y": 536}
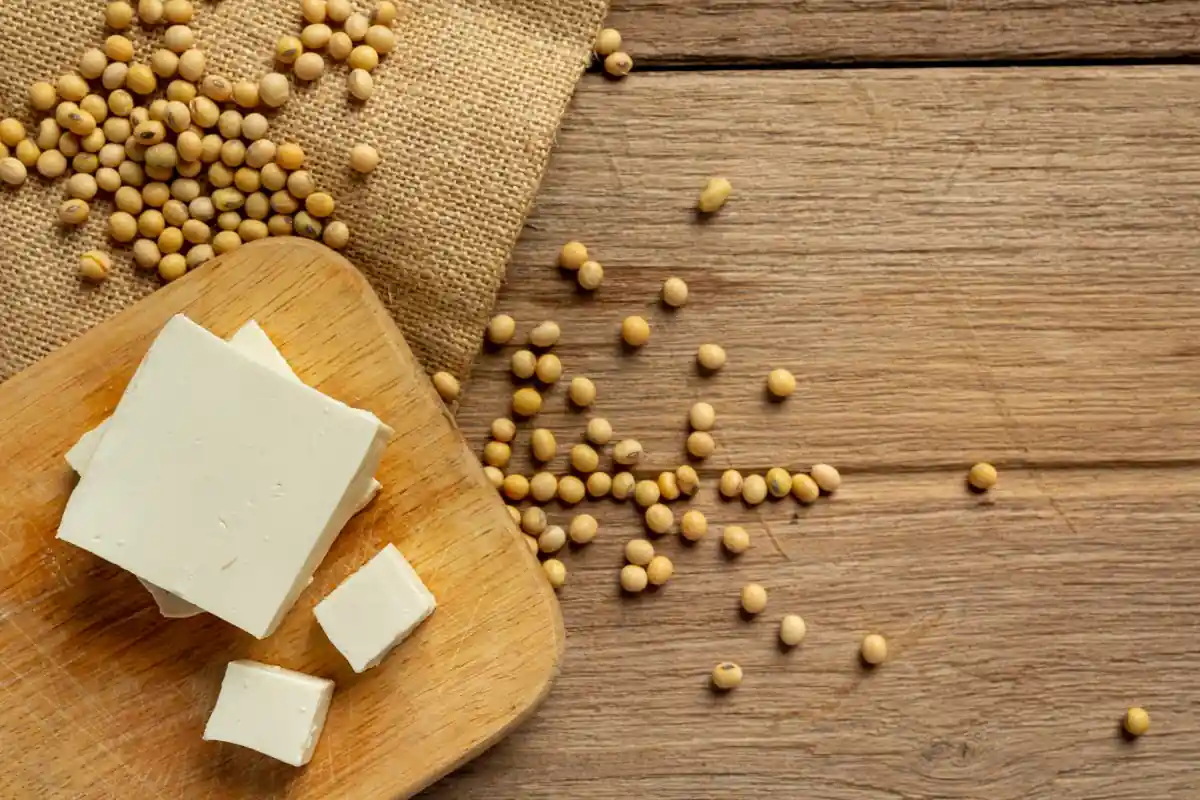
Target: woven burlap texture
{"x": 464, "y": 112}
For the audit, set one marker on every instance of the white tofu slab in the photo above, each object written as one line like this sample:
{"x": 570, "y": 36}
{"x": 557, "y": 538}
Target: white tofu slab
{"x": 251, "y": 341}
{"x": 175, "y": 607}
{"x": 80, "y": 454}
{"x": 169, "y": 605}
{"x": 375, "y": 609}
{"x": 220, "y": 481}
{"x": 278, "y": 712}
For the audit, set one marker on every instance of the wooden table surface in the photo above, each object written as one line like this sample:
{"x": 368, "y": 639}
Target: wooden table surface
{"x": 778, "y": 32}
{"x": 958, "y": 262}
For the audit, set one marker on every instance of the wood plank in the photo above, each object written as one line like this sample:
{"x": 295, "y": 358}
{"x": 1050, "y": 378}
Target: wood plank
{"x": 674, "y": 32}
{"x": 930, "y": 252}
{"x": 1020, "y": 630}
{"x": 957, "y": 264}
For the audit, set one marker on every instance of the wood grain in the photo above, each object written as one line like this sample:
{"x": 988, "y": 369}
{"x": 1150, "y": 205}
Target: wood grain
{"x": 1004, "y": 253}
{"x": 957, "y": 265}
{"x": 678, "y": 32}
{"x": 104, "y": 698}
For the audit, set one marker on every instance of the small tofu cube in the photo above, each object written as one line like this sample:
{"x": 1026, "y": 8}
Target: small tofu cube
{"x": 278, "y": 712}
{"x": 375, "y": 609}
{"x": 220, "y": 481}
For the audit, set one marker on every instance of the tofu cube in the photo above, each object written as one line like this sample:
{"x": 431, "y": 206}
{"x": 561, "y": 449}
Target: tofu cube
{"x": 220, "y": 481}
{"x": 375, "y": 609}
{"x": 251, "y": 341}
{"x": 278, "y": 712}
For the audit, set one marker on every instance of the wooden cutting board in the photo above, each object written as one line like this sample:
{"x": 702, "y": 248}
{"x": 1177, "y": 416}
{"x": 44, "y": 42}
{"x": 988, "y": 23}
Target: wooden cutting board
{"x": 104, "y": 698}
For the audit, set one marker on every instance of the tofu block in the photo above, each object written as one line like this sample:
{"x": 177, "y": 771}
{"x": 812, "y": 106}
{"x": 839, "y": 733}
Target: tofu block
{"x": 80, "y": 454}
{"x": 169, "y": 605}
{"x": 251, "y": 341}
{"x": 278, "y": 712}
{"x": 375, "y": 609}
{"x": 174, "y": 607}
{"x": 220, "y": 481}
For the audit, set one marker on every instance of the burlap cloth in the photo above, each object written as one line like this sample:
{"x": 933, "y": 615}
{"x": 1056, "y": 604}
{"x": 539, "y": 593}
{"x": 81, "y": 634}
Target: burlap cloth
{"x": 464, "y": 113}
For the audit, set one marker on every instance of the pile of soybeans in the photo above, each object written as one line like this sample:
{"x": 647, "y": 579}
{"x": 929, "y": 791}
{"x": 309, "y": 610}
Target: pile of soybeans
{"x": 182, "y": 159}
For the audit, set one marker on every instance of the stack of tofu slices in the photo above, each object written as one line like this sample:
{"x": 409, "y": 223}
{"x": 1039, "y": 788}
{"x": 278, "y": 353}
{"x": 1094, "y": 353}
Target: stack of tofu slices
{"x": 221, "y": 481}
